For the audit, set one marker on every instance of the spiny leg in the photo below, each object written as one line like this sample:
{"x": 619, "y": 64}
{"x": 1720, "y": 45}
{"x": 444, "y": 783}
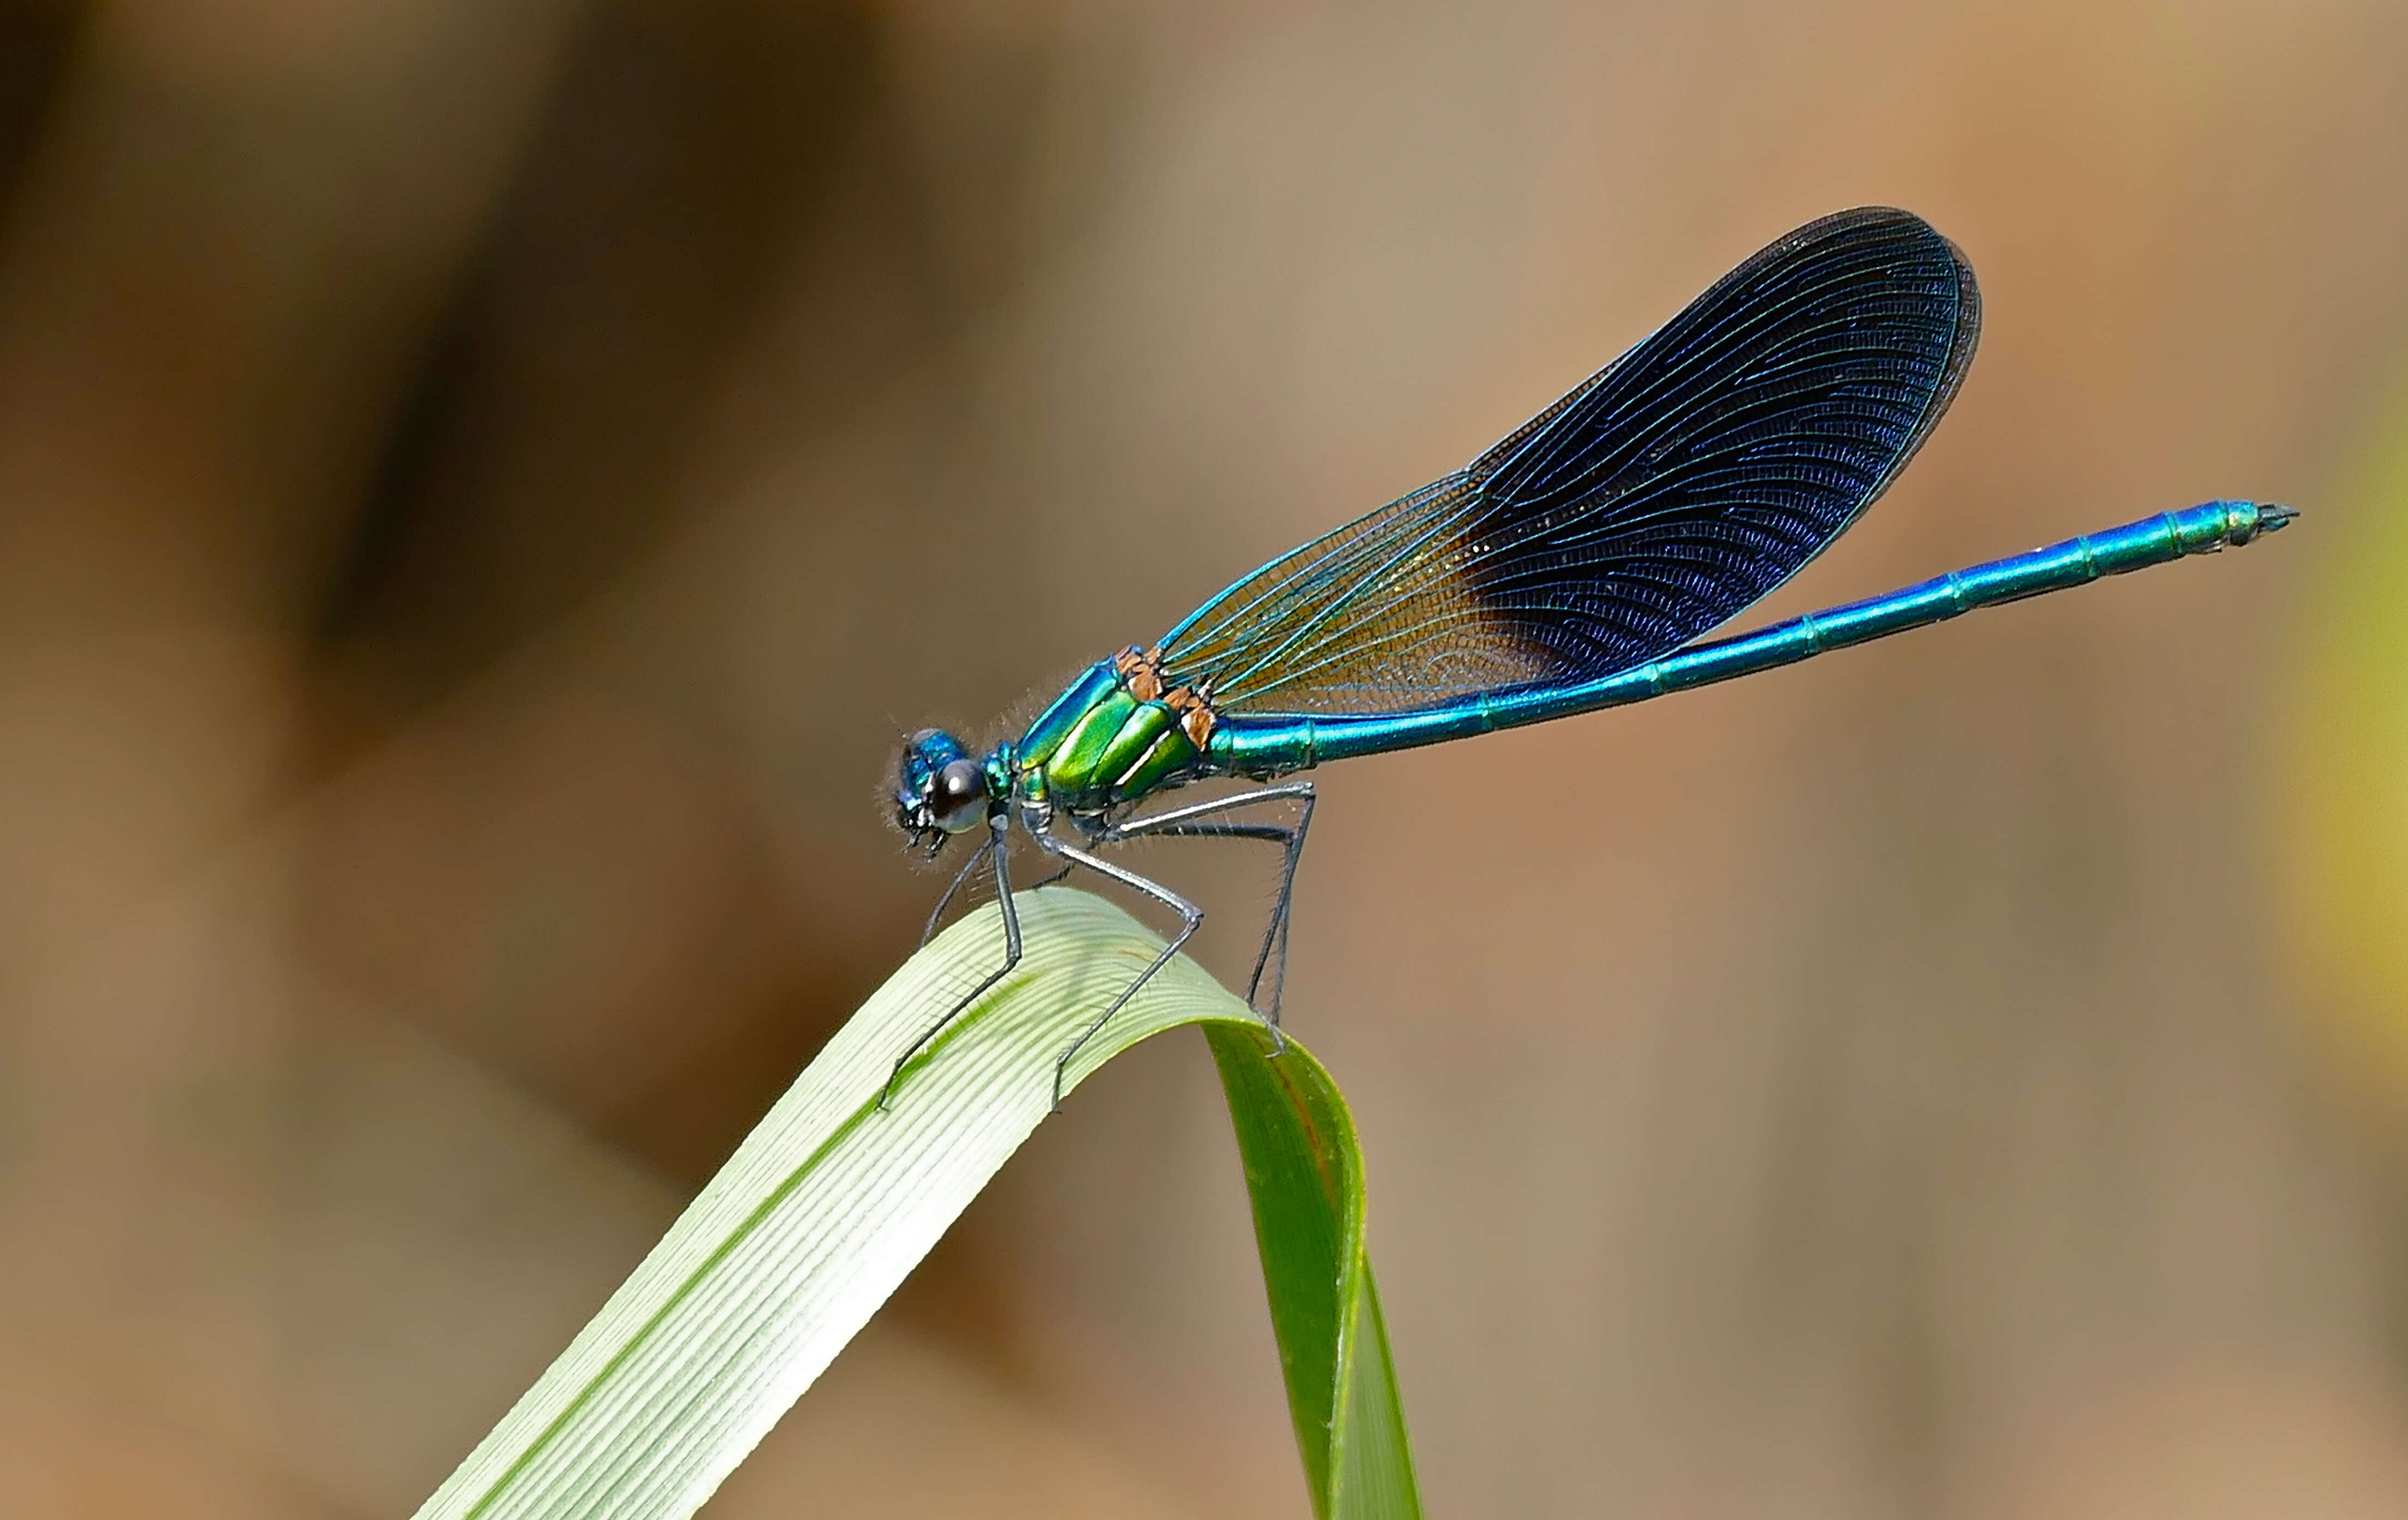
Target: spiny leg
{"x": 1180, "y": 823}
{"x": 991, "y": 842}
{"x": 1002, "y": 856}
{"x": 1189, "y": 916}
{"x": 1274, "y": 930}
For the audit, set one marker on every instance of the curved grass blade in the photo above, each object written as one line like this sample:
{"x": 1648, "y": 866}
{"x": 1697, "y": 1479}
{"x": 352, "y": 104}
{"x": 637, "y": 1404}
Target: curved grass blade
{"x": 1305, "y": 1175}
{"x": 830, "y": 1202}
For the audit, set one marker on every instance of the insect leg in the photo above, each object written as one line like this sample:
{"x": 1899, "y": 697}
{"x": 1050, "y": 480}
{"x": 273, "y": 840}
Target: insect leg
{"x": 1002, "y": 856}
{"x": 1189, "y": 917}
{"x": 991, "y": 843}
{"x": 1183, "y": 822}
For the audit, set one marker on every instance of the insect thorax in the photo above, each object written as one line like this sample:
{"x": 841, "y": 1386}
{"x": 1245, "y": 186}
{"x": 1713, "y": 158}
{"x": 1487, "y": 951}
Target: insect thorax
{"x": 1117, "y": 734}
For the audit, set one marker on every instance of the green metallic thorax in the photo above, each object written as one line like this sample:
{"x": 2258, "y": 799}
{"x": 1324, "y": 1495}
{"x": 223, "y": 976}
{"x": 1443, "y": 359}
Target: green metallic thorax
{"x": 1099, "y": 745}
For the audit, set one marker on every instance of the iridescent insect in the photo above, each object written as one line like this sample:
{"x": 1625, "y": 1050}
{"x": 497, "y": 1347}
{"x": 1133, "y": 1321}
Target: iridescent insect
{"x": 1566, "y": 569}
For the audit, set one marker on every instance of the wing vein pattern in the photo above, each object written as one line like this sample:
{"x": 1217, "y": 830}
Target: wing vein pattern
{"x": 1654, "y": 501}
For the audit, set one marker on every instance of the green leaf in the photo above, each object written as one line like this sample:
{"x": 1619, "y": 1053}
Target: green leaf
{"x": 1306, "y": 1176}
{"x": 830, "y": 1202}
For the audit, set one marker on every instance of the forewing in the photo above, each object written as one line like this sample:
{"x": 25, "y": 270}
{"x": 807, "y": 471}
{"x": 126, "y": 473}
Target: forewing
{"x": 1658, "y": 499}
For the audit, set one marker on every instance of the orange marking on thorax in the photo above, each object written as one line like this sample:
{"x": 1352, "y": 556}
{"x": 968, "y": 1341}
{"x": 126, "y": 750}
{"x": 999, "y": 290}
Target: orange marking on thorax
{"x": 1140, "y": 671}
{"x": 1196, "y": 715}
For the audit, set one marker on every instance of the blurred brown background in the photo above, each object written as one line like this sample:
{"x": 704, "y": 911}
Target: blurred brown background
{"x": 486, "y": 483}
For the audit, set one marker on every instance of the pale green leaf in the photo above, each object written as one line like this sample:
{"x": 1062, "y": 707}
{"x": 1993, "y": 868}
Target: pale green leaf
{"x": 830, "y": 1202}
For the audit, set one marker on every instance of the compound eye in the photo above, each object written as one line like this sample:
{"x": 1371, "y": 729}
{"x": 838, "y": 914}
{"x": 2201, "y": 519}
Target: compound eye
{"x": 957, "y": 796}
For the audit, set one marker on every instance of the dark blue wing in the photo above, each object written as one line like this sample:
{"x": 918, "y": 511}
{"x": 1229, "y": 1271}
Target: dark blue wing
{"x": 1660, "y": 497}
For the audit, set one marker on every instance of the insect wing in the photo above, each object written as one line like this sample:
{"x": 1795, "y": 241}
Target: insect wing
{"x": 1654, "y": 501}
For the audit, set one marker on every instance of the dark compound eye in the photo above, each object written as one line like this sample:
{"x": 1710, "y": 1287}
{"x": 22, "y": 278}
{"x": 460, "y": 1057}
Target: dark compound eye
{"x": 957, "y": 796}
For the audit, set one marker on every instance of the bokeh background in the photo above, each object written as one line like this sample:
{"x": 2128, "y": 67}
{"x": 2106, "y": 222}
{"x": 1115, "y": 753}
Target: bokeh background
{"x": 484, "y": 483}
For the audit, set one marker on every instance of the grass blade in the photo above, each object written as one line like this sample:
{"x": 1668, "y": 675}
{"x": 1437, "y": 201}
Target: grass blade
{"x": 829, "y": 1203}
{"x": 1305, "y": 1176}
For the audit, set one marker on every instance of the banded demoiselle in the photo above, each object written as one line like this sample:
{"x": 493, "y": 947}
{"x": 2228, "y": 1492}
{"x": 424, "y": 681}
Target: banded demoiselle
{"x": 1566, "y": 568}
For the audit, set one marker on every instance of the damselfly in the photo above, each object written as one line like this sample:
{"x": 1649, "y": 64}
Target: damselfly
{"x": 1566, "y": 569}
